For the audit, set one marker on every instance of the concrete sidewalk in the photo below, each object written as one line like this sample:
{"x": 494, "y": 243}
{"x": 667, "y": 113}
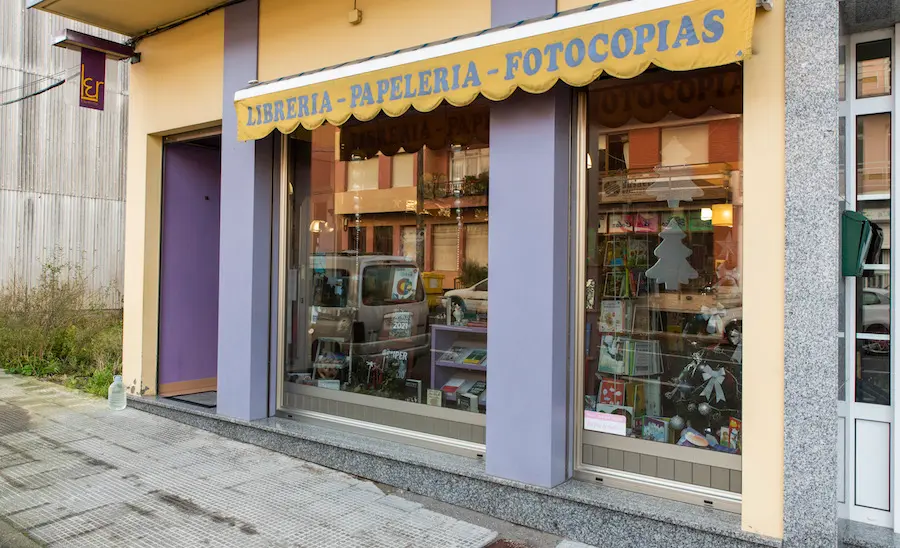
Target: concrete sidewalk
{"x": 73, "y": 473}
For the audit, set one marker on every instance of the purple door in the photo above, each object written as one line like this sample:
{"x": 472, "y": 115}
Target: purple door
{"x": 189, "y": 269}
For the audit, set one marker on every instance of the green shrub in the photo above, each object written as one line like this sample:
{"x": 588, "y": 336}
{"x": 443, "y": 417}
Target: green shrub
{"x": 471, "y": 273}
{"x": 61, "y": 329}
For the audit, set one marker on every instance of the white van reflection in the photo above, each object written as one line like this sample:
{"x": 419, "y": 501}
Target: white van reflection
{"x": 374, "y": 302}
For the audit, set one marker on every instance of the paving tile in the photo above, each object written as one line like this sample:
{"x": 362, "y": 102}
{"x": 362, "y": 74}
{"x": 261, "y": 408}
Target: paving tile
{"x": 79, "y": 475}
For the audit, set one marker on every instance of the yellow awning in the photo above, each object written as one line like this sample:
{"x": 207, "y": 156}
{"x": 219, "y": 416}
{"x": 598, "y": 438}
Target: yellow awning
{"x": 621, "y": 39}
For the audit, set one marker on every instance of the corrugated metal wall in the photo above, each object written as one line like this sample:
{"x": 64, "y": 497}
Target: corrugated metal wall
{"x": 62, "y": 167}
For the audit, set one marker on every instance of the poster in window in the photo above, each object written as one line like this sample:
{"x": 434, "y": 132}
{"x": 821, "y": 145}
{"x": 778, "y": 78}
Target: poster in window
{"x": 405, "y": 283}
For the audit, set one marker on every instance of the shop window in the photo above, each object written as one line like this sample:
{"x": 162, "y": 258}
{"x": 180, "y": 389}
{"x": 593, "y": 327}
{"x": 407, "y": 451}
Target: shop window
{"x": 403, "y": 170}
{"x": 445, "y": 243}
{"x": 362, "y": 174}
{"x": 384, "y": 240}
{"x": 374, "y": 333}
{"x": 873, "y": 154}
{"x": 873, "y": 68}
{"x": 663, "y": 294}
{"x": 873, "y": 313}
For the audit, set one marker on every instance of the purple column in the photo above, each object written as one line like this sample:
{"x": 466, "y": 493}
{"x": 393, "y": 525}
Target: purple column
{"x": 245, "y": 244}
{"x": 528, "y": 339}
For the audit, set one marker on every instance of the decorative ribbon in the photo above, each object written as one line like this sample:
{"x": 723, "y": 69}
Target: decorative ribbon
{"x": 714, "y": 379}
{"x": 715, "y": 315}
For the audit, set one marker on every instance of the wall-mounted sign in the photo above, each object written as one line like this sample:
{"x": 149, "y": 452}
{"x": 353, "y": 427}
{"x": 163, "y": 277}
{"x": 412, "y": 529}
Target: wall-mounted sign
{"x": 92, "y": 84}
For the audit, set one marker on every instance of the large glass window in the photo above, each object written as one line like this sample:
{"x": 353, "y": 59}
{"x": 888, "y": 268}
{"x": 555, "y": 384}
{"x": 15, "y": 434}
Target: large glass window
{"x": 663, "y": 318}
{"x": 380, "y": 300}
{"x": 873, "y": 68}
{"x": 873, "y": 154}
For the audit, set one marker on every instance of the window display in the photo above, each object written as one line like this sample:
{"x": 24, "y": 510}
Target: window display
{"x": 387, "y": 259}
{"x": 663, "y": 296}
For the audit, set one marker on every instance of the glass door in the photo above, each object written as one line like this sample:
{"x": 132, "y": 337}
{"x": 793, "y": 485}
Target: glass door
{"x": 865, "y": 417}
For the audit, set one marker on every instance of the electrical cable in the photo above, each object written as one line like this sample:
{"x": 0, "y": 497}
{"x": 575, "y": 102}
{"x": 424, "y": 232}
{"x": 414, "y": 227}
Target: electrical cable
{"x": 41, "y": 79}
{"x": 35, "y": 93}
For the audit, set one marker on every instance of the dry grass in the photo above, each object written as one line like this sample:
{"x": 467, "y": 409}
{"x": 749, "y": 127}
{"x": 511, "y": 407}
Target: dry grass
{"x": 59, "y": 329}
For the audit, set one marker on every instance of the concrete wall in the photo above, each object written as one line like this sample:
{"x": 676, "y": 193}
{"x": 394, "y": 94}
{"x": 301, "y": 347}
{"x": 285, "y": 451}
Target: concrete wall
{"x": 811, "y": 280}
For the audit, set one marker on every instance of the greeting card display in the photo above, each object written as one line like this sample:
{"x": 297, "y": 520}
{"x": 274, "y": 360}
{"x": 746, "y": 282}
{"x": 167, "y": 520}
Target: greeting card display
{"x": 612, "y": 392}
{"x": 645, "y": 222}
{"x": 619, "y": 223}
{"x": 638, "y": 252}
{"x": 612, "y": 316}
{"x": 655, "y": 429}
{"x": 611, "y": 359}
{"x": 602, "y": 223}
{"x": 634, "y": 397}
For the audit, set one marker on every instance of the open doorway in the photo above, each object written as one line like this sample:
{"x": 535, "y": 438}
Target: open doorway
{"x": 189, "y": 270}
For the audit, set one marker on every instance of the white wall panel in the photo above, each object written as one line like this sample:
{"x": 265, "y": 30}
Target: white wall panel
{"x": 873, "y": 464}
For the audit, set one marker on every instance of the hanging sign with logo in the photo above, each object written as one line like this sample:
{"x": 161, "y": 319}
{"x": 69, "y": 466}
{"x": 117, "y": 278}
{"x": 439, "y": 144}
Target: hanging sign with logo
{"x": 92, "y": 84}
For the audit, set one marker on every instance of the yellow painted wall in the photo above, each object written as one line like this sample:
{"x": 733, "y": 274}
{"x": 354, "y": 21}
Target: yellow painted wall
{"x": 763, "y": 243}
{"x": 299, "y": 35}
{"x": 176, "y": 87}
{"x": 563, "y": 5}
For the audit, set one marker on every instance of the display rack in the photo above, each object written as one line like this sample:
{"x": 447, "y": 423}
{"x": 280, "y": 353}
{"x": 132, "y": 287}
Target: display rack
{"x": 444, "y": 339}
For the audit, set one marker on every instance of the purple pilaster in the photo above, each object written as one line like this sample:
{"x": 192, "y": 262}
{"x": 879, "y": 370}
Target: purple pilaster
{"x": 246, "y": 213}
{"x": 527, "y": 421}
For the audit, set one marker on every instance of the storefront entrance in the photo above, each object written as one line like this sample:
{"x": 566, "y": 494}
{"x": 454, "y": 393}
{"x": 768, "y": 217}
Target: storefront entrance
{"x": 189, "y": 267}
{"x": 867, "y": 385}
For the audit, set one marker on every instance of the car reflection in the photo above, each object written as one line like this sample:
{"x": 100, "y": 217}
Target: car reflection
{"x": 873, "y": 374}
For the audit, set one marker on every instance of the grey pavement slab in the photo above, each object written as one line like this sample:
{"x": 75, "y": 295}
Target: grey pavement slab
{"x": 73, "y": 473}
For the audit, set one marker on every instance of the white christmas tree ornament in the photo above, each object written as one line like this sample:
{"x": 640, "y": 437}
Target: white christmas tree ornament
{"x": 672, "y": 267}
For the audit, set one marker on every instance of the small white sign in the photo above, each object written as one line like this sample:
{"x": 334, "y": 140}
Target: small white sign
{"x": 606, "y": 423}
